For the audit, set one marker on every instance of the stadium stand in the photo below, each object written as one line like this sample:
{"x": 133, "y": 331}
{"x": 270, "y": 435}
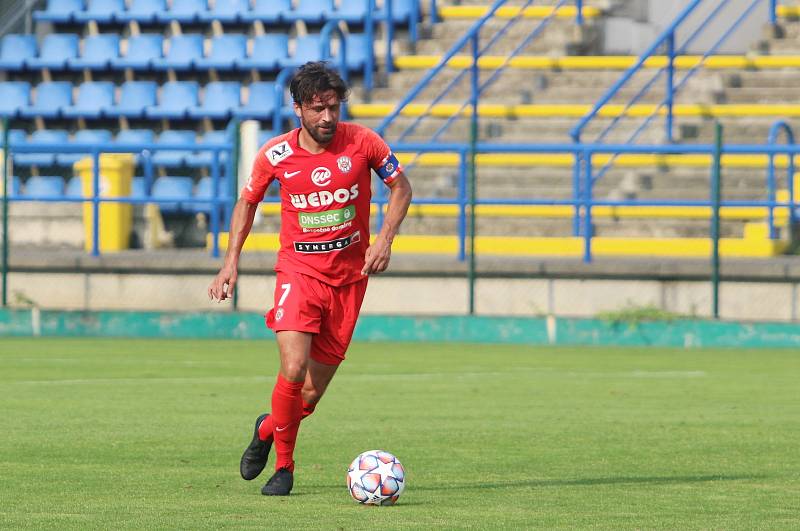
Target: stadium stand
{"x": 94, "y": 97}
{"x": 44, "y": 186}
{"x": 14, "y": 96}
{"x": 56, "y": 50}
{"x": 61, "y": 11}
{"x": 98, "y": 52}
{"x": 15, "y": 50}
{"x": 142, "y": 51}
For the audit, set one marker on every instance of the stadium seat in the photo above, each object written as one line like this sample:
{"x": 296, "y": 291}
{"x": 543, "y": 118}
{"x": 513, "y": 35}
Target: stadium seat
{"x": 358, "y": 48}
{"x": 268, "y": 51}
{"x": 351, "y": 11}
{"x": 177, "y": 97}
{"x": 184, "y": 50}
{"x": 14, "y": 186}
{"x": 59, "y": 11}
{"x": 15, "y": 50}
{"x": 74, "y": 187}
{"x": 84, "y": 137}
{"x": 135, "y": 97}
{"x": 143, "y": 11}
{"x": 267, "y": 11}
{"x": 200, "y": 159}
{"x": 98, "y": 52}
{"x": 174, "y": 158}
{"x": 310, "y": 11}
{"x": 179, "y": 188}
{"x": 50, "y": 98}
{"x": 183, "y": 11}
{"x": 45, "y": 187}
{"x": 93, "y": 98}
{"x": 42, "y": 138}
{"x": 135, "y": 136}
{"x": 220, "y": 99}
{"x": 100, "y": 11}
{"x": 306, "y": 49}
{"x": 226, "y": 11}
{"x": 260, "y": 102}
{"x": 204, "y": 191}
{"x": 401, "y": 11}
{"x": 139, "y": 187}
{"x": 15, "y": 137}
{"x": 56, "y": 50}
{"x": 143, "y": 50}
{"x": 14, "y": 96}
{"x": 226, "y": 50}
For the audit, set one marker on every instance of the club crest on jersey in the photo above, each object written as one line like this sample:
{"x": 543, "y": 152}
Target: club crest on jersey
{"x": 321, "y": 176}
{"x": 344, "y": 163}
{"x": 279, "y": 314}
{"x": 278, "y": 152}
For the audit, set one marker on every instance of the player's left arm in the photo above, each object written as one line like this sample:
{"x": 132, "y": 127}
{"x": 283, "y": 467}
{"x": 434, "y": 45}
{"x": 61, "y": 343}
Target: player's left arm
{"x": 378, "y": 254}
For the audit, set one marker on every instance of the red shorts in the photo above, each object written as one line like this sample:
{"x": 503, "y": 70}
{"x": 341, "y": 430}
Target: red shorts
{"x": 305, "y": 304}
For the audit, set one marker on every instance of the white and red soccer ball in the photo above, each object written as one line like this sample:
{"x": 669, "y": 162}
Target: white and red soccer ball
{"x": 376, "y": 477}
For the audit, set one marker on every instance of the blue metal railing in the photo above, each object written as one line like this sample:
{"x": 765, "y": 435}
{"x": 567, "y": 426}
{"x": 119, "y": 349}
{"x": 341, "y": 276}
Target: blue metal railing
{"x": 216, "y": 200}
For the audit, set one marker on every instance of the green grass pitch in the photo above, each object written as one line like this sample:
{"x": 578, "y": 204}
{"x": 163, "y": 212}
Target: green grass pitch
{"x": 130, "y": 434}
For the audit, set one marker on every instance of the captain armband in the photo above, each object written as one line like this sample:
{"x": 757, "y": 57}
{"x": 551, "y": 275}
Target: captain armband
{"x": 389, "y": 168}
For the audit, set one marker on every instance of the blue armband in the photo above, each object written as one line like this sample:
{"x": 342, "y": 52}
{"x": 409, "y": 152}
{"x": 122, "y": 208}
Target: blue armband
{"x": 389, "y": 167}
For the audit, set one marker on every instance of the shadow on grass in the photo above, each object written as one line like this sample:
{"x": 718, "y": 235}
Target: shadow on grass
{"x": 546, "y": 483}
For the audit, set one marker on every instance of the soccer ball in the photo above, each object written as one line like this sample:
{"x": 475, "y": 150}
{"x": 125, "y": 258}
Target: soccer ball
{"x": 376, "y": 478}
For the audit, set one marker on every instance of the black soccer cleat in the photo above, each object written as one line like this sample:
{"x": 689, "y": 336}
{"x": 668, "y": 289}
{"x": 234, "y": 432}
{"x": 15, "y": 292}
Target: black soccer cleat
{"x": 280, "y": 484}
{"x": 254, "y": 458}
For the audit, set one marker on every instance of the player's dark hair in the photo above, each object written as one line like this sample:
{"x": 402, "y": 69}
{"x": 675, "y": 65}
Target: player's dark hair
{"x": 316, "y": 77}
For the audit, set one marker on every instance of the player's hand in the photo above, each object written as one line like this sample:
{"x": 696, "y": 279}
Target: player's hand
{"x": 376, "y": 260}
{"x": 221, "y": 288}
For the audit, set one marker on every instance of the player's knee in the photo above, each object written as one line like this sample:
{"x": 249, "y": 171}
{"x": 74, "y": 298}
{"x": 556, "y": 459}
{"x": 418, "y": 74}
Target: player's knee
{"x": 311, "y": 394}
{"x": 294, "y": 370}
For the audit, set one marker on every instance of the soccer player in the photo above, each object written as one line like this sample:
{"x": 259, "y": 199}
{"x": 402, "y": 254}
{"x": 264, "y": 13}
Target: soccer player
{"x": 324, "y": 169}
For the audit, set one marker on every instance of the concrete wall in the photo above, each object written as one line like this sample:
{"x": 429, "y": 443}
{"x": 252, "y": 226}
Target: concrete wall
{"x": 757, "y": 301}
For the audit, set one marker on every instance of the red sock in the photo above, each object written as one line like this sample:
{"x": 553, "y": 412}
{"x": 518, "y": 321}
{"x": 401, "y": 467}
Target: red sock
{"x": 266, "y": 427}
{"x": 287, "y": 410}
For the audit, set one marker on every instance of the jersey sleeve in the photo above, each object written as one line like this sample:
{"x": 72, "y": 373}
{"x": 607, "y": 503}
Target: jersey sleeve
{"x": 380, "y": 157}
{"x": 260, "y": 178}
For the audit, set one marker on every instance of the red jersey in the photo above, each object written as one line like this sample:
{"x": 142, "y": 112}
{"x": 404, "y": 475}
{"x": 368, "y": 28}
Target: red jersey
{"x": 325, "y": 199}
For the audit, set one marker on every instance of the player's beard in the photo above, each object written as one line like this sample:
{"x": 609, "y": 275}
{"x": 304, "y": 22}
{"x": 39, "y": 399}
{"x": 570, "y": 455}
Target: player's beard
{"x": 321, "y": 137}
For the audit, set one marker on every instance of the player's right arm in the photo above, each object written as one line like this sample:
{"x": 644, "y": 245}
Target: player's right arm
{"x": 224, "y": 283}
{"x": 244, "y": 212}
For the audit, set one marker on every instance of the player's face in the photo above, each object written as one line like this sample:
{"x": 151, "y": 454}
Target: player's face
{"x": 320, "y": 116}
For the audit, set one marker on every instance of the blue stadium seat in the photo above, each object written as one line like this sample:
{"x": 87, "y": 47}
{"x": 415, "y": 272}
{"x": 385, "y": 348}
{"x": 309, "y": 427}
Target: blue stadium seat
{"x": 267, "y": 11}
{"x": 225, "y": 51}
{"x": 310, "y": 11}
{"x": 74, "y": 187}
{"x": 351, "y": 11}
{"x": 14, "y": 186}
{"x": 44, "y": 138}
{"x": 184, "y": 51}
{"x": 135, "y": 136}
{"x": 260, "y": 102}
{"x": 306, "y": 49}
{"x": 14, "y": 96}
{"x": 177, "y": 97}
{"x": 98, "y": 52}
{"x": 200, "y": 159}
{"x": 401, "y": 11}
{"x": 226, "y": 11}
{"x": 220, "y": 99}
{"x": 358, "y": 47}
{"x": 59, "y": 11}
{"x": 143, "y": 11}
{"x": 50, "y": 98}
{"x": 143, "y": 50}
{"x": 15, "y": 137}
{"x": 94, "y": 97}
{"x": 138, "y": 187}
{"x": 100, "y": 11}
{"x": 15, "y": 50}
{"x": 183, "y": 11}
{"x": 84, "y": 137}
{"x": 178, "y": 188}
{"x": 174, "y": 158}
{"x": 56, "y": 49}
{"x": 44, "y": 187}
{"x": 204, "y": 191}
{"x": 268, "y": 51}
{"x": 134, "y": 98}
